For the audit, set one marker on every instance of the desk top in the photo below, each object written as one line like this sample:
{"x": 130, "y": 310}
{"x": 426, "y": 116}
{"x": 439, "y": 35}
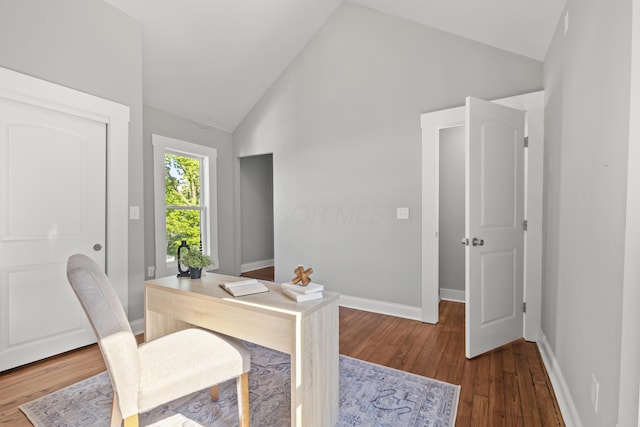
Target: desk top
{"x": 209, "y": 286}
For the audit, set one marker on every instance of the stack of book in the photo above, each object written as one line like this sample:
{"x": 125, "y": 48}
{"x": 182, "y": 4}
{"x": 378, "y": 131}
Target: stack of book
{"x": 302, "y": 293}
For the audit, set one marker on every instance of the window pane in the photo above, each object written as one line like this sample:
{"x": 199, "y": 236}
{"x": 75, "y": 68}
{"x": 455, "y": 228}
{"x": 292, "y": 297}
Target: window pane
{"x": 182, "y": 180}
{"x": 182, "y": 225}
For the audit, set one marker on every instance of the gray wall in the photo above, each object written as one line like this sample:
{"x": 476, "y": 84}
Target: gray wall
{"x": 451, "y": 263}
{"x": 587, "y": 81}
{"x": 92, "y": 47}
{"x": 629, "y": 365}
{"x": 343, "y": 125}
{"x": 165, "y": 124}
{"x": 256, "y": 208}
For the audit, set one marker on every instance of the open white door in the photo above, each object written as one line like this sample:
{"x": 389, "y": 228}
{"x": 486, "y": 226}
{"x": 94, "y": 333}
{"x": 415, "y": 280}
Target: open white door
{"x": 494, "y": 225}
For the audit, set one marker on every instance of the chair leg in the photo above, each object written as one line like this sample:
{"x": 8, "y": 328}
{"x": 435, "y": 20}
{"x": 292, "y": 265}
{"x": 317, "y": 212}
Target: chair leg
{"x": 215, "y": 393}
{"x": 242, "y": 384}
{"x": 131, "y": 421}
{"x": 116, "y": 416}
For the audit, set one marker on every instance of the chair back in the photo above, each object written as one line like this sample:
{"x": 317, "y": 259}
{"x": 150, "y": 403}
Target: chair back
{"x": 97, "y": 296}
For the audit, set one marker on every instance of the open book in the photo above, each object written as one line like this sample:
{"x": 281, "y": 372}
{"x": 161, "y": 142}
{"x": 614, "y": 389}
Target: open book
{"x": 244, "y": 287}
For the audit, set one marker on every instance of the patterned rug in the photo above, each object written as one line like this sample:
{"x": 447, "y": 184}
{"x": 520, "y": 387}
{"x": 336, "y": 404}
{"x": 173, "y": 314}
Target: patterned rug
{"x": 370, "y": 395}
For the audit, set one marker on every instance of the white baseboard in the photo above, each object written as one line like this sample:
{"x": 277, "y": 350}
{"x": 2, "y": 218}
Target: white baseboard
{"x": 256, "y": 265}
{"x": 137, "y": 326}
{"x": 452, "y": 295}
{"x": 565, "y": 401}
{"x": 392, "y": 309}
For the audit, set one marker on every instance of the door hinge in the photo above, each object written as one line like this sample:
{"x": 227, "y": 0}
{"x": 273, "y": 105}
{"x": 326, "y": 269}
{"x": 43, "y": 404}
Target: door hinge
{"x": 526, "y": 142}
{"x": 524, "y": 307}
{"x": 525, "y": 225}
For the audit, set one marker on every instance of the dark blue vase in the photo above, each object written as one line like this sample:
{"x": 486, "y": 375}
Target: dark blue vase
{"x": 195, "y": 273}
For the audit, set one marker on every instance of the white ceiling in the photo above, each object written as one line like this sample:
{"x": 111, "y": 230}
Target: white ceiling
{"x": 524, "y": 27}
{"x": 211, "y": 61}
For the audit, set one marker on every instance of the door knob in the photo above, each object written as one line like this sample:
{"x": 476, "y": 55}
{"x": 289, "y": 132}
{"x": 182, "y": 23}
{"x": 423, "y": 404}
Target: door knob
{"x": 465, "y": 241}
{"x": 477, "y": 242}
{"x": 97, "y": 247}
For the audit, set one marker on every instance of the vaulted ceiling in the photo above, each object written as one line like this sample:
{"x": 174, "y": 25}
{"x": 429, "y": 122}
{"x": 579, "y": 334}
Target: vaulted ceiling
{"x": 211, "y": 61}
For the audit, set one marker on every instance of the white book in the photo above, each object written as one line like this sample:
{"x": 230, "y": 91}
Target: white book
{"x": 244, "y": 287}
{"x": 309, "y": 289}
{"x": 301, "y": 297}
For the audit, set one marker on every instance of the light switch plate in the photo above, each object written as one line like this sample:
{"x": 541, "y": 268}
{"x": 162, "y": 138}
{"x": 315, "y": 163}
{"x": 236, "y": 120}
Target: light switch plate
{"x": 134, "y": 212}
{"x": 402, "y": 213}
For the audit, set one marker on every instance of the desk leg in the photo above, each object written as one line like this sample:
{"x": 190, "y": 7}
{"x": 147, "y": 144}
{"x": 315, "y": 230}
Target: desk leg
{"x": 315, "y": 370}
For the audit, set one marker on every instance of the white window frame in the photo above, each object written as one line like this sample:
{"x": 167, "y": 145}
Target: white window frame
{"x": 209, "y": 195}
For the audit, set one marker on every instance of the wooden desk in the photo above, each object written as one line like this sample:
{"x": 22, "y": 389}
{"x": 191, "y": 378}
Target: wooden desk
{"x": 308, "y": 331}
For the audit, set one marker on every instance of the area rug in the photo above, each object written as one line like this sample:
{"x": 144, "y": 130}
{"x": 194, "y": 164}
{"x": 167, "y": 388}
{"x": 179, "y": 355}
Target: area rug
{"x": 370, "y": 395}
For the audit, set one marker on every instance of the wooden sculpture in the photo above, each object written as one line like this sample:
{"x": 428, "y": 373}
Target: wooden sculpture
{"x": 302, "y": 276}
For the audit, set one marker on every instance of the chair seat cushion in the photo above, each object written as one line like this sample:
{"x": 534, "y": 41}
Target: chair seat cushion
{"x": 186, "y": 361}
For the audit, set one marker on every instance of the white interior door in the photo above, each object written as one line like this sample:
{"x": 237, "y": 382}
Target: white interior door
{"x": 52, "y": 204}
{"x": 494, "y": 225}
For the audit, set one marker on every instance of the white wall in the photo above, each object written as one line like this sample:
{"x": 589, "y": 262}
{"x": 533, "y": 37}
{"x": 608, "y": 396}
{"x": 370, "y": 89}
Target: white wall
{"x": 451, "y": 269}
{"x": 587, "y": 75}
{"x": 92, "y": 47}
{"x": 343, "y": 125}
{"x": 165, "y": 124}
{"x": 256, "y": 209}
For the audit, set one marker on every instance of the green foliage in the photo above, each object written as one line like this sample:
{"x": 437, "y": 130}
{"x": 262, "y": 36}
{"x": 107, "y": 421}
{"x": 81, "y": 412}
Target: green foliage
{"x": 195, "y": 258}
{"x": 182, "y": 190}
{"x": 182, "y": 180}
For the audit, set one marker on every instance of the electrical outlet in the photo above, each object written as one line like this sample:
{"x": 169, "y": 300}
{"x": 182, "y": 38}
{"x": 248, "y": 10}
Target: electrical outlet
{"x": 595, "y": 392}
{"x": 151, "y": 271}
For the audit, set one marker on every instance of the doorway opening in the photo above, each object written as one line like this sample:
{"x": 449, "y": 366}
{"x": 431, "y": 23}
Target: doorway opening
{"x": 256, "y": 214}
{"x": 451, "y": 205}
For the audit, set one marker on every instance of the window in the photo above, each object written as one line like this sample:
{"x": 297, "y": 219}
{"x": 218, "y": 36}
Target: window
{"x": 185, "y": 200}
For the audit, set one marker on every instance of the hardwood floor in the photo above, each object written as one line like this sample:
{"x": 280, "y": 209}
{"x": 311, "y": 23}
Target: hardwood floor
{"x": 506, "y": 387}
{"x": 23, "y": 384}
{"x": 267, "y": 273}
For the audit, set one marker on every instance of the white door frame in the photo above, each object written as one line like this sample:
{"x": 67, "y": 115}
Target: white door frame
{"x": 30, "y": 90}
{"x": 431, "y": 123}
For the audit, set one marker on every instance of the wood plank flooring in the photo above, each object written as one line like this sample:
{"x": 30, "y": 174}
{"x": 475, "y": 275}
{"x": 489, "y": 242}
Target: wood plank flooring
{"x": 506, "y": 387}
{"x": 23, "y": 384}
{"x": 267, "y": 273}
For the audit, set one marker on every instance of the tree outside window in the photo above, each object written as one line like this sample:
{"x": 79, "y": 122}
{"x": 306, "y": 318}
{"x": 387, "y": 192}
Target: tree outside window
{"x": 183, "y": 202}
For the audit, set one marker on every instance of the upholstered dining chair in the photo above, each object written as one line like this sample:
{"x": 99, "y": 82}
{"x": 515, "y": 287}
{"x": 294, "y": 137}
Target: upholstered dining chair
{"x": 146, "y": 376}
